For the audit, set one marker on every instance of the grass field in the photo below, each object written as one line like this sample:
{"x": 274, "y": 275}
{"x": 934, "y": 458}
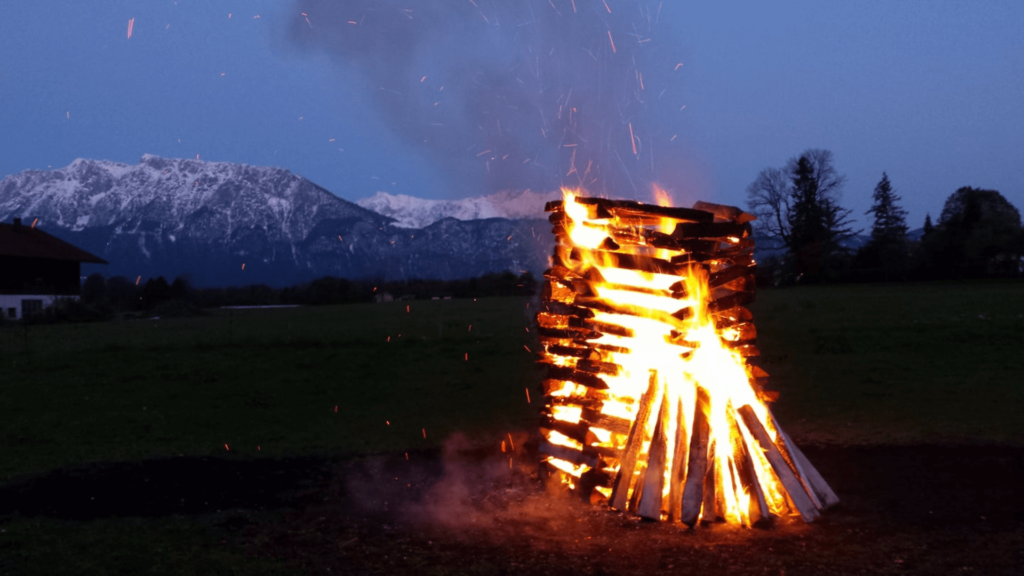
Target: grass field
{"x": 894, "y": 365}
{"x": 285, "y": 381}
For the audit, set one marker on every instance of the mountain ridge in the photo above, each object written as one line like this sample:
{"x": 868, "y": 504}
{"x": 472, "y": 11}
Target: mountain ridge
{"x": 226, "y": 223}
{"x": 413, "y": 212}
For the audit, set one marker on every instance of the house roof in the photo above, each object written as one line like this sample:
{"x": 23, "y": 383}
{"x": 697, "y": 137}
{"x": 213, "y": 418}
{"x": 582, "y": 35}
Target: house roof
{"x": 28, "y": 242}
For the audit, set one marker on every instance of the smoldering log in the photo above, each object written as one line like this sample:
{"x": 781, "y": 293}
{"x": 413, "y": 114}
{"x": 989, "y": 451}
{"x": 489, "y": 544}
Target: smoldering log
{"x": 624, "y": 261}
{"x": 576, "y": 402}
{"x": 724, "y": 212}
{"x": 567, "y": 374}
{"x": 697, "y": 461}
{"x": 730, "y": 301}
{"x": 597, "y": 367}
{"x": 634, "y": 443}
{"x": 569, "y": 310}
{"x": 794, "y": 488}
{"x": 575, "y": 430}
{"x": 632, "y": 207}
{"x": 568, "y": 351}
{"x": 606, "y": 452}
{"x": 607, "y": 328}
{"x": 610, "y": 348}
{"x": 568, "y": 454}
{"x": 729, "y": 274}
{"x": 606, "y": 422}
{"x": 686, "y": 231}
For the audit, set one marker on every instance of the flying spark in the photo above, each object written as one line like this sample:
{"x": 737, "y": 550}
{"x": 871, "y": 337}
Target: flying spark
{"x": 131, "y": 24}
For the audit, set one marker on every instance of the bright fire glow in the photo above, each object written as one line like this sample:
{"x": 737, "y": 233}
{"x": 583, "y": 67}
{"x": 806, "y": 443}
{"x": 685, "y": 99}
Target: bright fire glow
{"x": 673, "y": 354}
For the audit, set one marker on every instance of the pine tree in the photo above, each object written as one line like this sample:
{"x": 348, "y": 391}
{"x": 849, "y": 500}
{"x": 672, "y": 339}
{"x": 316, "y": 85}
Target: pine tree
{"x": 887, "y": 248}
{"x": 817, "y": 223}
{"x": 890, "y": 226}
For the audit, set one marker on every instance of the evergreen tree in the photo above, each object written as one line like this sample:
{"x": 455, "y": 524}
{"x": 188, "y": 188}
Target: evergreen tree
{"x": 890, "y": 226}
{"x": 887, "y": 248}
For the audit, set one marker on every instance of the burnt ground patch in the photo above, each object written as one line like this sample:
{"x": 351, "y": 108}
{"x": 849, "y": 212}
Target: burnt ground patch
{"x": 912, "y": 509}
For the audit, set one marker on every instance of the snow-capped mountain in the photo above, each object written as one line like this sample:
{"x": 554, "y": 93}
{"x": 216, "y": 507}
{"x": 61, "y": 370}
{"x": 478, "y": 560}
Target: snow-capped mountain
{"x": 411, "y": 212}
{"x": 226, "y": 223}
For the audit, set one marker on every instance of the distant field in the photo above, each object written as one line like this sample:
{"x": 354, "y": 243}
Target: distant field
{"x": 897, "y": 364}
{"x": 906, "y": 363}
{"x": 264, "y": 382}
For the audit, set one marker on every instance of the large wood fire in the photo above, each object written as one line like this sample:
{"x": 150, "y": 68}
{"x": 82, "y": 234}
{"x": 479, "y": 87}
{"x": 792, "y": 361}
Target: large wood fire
{"x": 651, "y": 404}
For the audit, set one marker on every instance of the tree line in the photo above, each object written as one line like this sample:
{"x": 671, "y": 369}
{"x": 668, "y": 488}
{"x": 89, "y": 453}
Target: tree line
{"x": 105, "y": 298}
{"x": 799, "y": 211}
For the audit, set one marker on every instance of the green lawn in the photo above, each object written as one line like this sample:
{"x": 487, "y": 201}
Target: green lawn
{"x": 897, "y": 364}
{"x": 267, "y": 383}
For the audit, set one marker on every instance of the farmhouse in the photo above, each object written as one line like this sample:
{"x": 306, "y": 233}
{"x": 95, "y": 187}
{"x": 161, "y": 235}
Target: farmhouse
{"x": 37, "y": 269}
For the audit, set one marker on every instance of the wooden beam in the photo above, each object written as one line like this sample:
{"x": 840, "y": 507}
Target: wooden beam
{"x": 679, "y": 458}
{"x": 758, "y": 512}
{"x": 708, "y": 510}
{"x": 697, "y": 461}
{"x": 634, "y": 443}
{"x": 816, "y": 486}
{"x": 794, "y": 488}
{"x": 568, "y": 454}
{"x": 654, "y": 480}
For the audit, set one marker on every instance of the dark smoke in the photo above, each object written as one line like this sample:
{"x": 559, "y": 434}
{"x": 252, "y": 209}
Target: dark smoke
{"x": 518, "y": 94}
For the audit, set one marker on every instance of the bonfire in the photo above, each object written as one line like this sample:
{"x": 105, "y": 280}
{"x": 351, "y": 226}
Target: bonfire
{"x": 652, "y": 404}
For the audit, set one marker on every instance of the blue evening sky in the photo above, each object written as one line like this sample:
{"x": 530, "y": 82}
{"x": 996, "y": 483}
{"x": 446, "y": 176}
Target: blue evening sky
{"x": 929, "y": 91}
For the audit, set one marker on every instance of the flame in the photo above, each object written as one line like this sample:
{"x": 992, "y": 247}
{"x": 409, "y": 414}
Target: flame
{"x": 664, "y": 341}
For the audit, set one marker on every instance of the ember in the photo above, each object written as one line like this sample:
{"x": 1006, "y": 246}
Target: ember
{"x": 650, "y": 402}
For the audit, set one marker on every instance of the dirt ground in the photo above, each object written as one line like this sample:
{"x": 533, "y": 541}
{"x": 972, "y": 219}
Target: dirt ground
{"x": 912, "y": 510}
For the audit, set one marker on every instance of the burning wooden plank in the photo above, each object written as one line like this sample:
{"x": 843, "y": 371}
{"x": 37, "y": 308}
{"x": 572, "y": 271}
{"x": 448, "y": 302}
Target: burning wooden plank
{"x": 647, "y": 337}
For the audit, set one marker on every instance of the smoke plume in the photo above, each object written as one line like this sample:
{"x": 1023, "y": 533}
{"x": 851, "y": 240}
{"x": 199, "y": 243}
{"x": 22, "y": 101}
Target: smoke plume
{"x": 512, "y": 94}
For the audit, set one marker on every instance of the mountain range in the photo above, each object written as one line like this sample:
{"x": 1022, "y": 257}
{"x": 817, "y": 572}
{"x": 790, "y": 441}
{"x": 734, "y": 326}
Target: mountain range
{"x": 232, "y": 224}
{"x": 412, "y": 212}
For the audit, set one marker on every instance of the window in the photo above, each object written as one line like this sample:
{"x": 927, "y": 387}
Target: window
{"x": 29, "y": 307}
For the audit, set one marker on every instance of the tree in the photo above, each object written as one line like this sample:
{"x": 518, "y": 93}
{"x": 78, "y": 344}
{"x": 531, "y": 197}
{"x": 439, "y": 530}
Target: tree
{"x": 799, "y": 206}
{"x": 978, "y": 234}
{"x": 929, "y": 228}
{"x": 890, "y": 224}
{"x": 887, "y": 248}
{"x": 94, "y": 289}
{"x": 155, "y": 291}
{"x": 181, "y": 288}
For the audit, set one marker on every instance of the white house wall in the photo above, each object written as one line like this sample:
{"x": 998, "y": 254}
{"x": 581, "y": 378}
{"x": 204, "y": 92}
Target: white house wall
{"x": 9, "y": 302}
